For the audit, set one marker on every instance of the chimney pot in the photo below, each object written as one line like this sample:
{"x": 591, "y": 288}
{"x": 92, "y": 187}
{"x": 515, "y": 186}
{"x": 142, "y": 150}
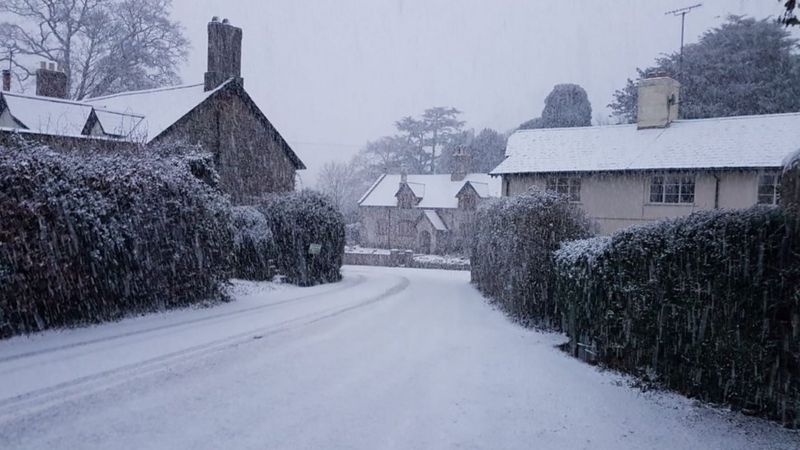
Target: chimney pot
{"x": 43, "y": 65}
{"x": 215, "y": 19}
{"x": 226, "y": 21}
{"x": 658, "y": 102}
{"x": 52, "y": 66}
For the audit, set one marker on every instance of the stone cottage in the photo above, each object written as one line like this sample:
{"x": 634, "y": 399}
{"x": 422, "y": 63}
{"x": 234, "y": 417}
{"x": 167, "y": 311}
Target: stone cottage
{"x": 218, "y": 115}
{"x": 424, "y": 213}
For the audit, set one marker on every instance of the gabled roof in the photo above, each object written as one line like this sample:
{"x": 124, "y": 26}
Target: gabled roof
{"x": 165, "y": 108}
{"x": 436, "y": 191}
{"x": 161, "y": 107}
{"x": 435, "y": 220}
{"x": 719, "y": 143}
{"x": 61, "y": 117}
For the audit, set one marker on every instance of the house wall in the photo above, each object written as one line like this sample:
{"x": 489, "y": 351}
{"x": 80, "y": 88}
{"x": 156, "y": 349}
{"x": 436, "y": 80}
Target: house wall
{"x": 616, "y": 201}
{"x": 250, "y": 159}
{"x": 456, "y": 240}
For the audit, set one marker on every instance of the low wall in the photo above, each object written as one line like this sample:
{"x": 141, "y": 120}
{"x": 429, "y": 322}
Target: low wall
{"x": 397, "y": 258}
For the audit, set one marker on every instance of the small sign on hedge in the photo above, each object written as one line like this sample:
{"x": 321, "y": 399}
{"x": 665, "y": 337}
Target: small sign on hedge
{"x": 314, "y": 249}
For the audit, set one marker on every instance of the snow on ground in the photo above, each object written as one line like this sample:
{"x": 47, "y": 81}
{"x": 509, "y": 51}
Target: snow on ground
{"x": 388, "y": 358}
{"x": 444, "y": 260}
{"x": 357, "y": 249}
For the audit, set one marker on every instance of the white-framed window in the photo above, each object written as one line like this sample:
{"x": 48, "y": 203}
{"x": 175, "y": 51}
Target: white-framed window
{"x": 569, "y": 186}
{"x": 769, "y": 189}
{"x": 672, "y": 189}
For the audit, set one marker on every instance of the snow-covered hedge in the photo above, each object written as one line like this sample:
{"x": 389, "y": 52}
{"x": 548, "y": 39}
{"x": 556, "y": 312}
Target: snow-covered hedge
{"x": 298, "y": 220}
{"x": 790, "y": 184}
{"x": 512, "y": 251}
{"x": 708, "y": 305}
{"x": 88, "y": 239}
{"x": 253, "y": 245}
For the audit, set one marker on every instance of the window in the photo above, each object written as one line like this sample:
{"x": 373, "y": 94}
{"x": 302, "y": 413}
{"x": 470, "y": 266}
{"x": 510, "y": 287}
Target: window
{"x": 672, "y": 189}
{"x": 383, "y": 227}
{"x": 407, "y": 228}
{"x": 569, "y": 186}
{"x": 769, "y": 189}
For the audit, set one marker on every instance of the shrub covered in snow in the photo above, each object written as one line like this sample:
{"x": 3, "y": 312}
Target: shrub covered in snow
{"x": 708, "y": 304}
{"x": 88, "y": 239}
{"x": 790, "y": 184}
{"x": 297, "y": 221}
{"x": 253, "y": 246}
{"x": 512, "y": 251}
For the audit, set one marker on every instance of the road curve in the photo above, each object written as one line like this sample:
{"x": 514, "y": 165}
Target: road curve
{"x": 389, "y": 358}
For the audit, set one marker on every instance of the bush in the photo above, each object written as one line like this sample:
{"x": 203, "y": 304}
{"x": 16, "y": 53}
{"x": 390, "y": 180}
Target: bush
{"x": 297, "y": 220}
{"x": 708, "y": 305}
{"x": 88, "y": 239}
{"x": 253, "y": 245}
{"x": 512, "y": 251}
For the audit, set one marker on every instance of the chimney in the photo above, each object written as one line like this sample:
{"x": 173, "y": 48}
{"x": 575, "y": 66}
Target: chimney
{"x": 6, "y": 80}
{"x": 403, "y": 176}
{"x": 658, "y": 102}
{"x": 460, "y": 165}
{"x": 51, "y": 82}
{"x": 224, "y": 53}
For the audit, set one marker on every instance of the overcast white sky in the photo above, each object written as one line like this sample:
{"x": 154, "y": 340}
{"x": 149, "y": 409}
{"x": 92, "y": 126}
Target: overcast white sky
{"x": 332, "y": 74}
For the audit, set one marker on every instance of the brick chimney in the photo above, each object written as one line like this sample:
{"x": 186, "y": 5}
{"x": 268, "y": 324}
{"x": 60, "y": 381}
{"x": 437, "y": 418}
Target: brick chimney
{"x": 224, "y": 53}
{"x": 6, "y": 80}
{"x": 460, "y": 165}
{"x": 51, "y": 81}
{"x": 658, "y": 102}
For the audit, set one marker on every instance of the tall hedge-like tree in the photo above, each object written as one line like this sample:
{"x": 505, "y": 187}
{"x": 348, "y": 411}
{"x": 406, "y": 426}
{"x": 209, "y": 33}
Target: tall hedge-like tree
{"x": 744, "y": 67}
{"x": 104, "y": 46}
{"x": 567, "y": 105}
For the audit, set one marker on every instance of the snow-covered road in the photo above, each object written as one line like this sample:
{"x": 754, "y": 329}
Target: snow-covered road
{"x": 389, "y": 358}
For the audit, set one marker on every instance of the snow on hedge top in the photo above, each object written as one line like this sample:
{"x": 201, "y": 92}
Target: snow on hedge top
{"x": 161, "y": 107}
{"x": 730, "y": 142}
{"x": 436, "y": 191}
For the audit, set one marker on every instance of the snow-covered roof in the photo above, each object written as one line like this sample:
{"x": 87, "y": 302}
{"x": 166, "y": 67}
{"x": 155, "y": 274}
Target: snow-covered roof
{"x": 161, "y": 107}
{"x": 436, "y": 191}
{"x": 435, "y": 220}
{"x": 719, "y": 143}
{"x": 64, "y": 117}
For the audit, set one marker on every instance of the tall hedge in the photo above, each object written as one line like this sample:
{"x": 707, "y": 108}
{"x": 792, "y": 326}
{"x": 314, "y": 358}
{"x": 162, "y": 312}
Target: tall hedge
{"x": 708, "y": 305}
{"x": 254, "y": 249}
{"x": 298, "y": 220}
{"x": 512, "y": 251}
{"x": 85, "y": 239}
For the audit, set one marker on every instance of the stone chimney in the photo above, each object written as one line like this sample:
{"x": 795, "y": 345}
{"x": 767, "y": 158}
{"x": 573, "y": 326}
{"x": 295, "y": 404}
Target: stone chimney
{"x": 403, "y": 176}
{"x": 51, "y": 81}
{"x": 460, "y": 165}
{"x": 658, "y": 102}
{"x": 224, "y": 53}
{"x": 6, "y": 80}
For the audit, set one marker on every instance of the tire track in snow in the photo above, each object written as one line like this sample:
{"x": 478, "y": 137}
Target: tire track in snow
{"x": 345, "y": 285}
{"x": 14, "y": 408}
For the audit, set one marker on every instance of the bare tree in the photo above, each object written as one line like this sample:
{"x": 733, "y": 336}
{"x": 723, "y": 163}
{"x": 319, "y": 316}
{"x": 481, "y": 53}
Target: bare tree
{"x": 103, "y": 46}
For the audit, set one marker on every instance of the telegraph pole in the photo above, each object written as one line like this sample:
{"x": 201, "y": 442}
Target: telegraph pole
{"x": 682, "y": 12}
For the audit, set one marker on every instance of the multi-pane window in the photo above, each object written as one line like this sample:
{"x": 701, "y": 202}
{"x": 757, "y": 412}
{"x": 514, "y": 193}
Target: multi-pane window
{"x": 672, "y": 189}
{"x": 468, "y": 202}
{"x": 407, "y": 228}
{"x": 769, "y": 189}
{"x": 569, "y": 186}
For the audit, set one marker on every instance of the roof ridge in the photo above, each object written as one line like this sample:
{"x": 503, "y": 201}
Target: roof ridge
{"x": 47, "y": 99}
{"x": 145, "y": 91}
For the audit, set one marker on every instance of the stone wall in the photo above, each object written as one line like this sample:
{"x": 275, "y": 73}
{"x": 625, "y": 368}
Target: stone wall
{"x": 249, "y": 156}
